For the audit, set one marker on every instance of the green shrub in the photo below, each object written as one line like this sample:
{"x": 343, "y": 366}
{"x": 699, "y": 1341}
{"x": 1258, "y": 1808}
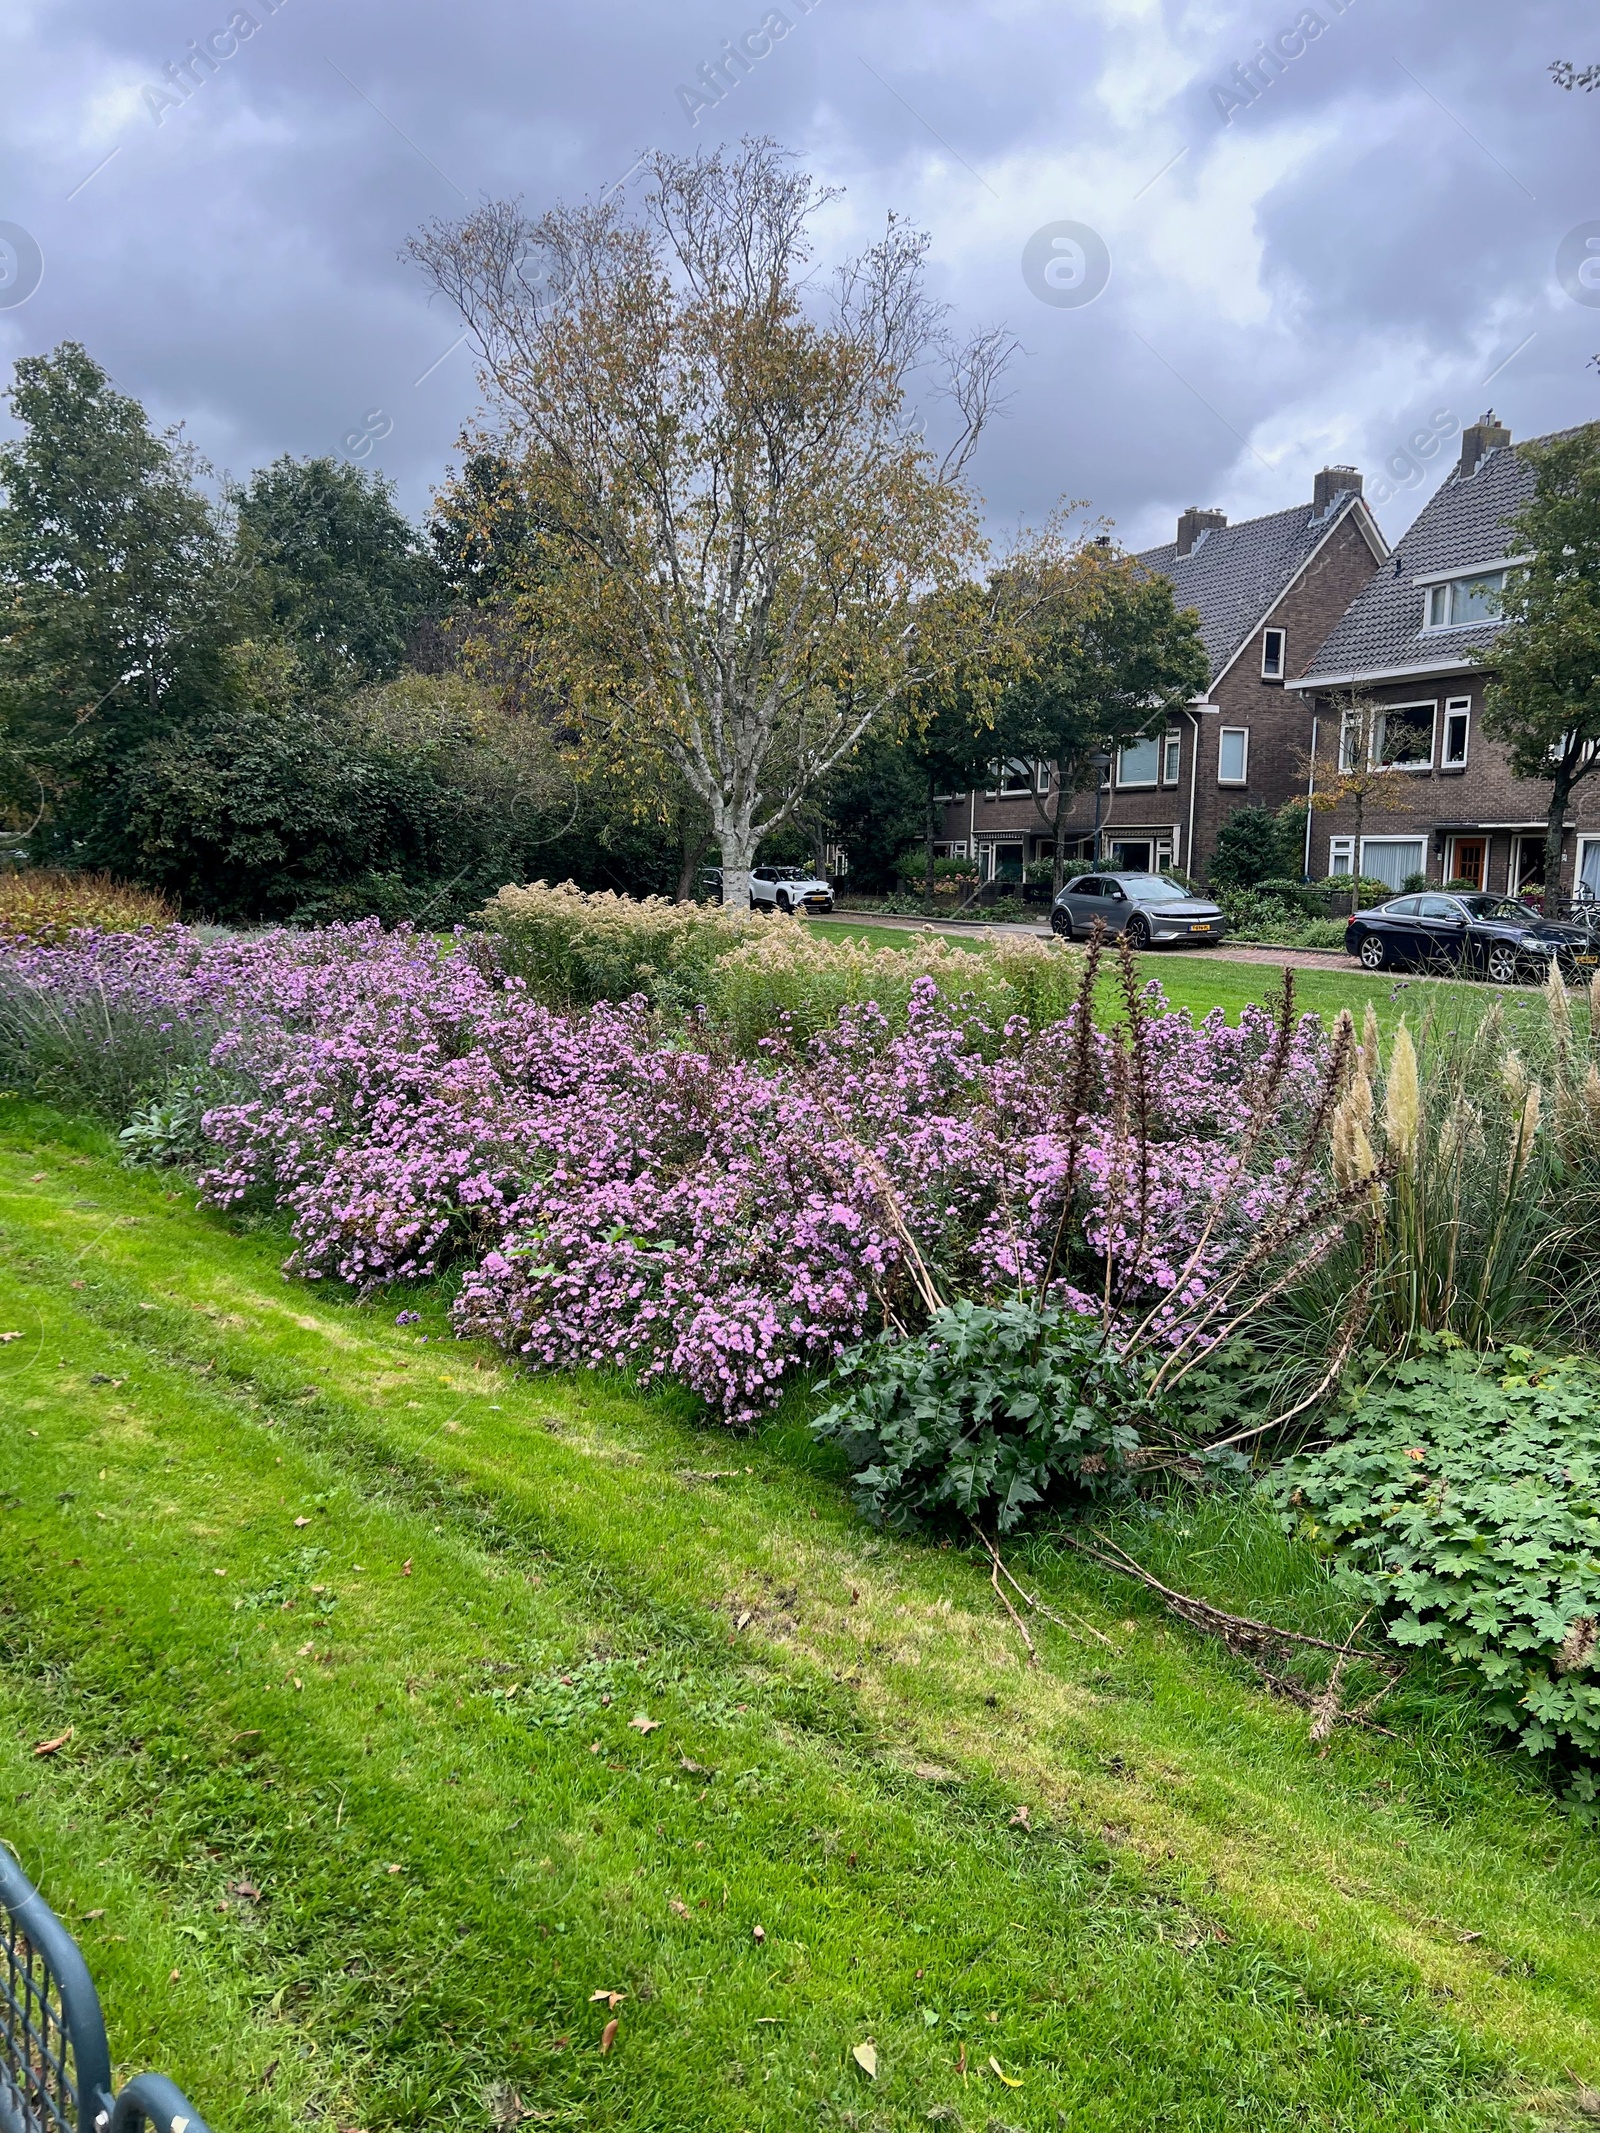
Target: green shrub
{"x": 572, "y": 947}
{"x": 1466, "y": 1490}
{"x": 994, "y": 1409}
{"x": 1255, "y": 845}
{"x": 1336, "y": 891}
{"x": 912, "y": 869}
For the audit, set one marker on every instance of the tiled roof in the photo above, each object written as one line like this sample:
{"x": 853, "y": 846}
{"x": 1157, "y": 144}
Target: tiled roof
{"x": 1234, "y": 574}
{"x": 1464, "y": 523}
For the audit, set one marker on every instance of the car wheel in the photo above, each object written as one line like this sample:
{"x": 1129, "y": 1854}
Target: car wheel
{"x": 783, "y": 900}
{"x": 1501, "y": 964}
{"x": 1061, "y": 923}
{"x": 1373, "y": 951}
{"x": 1138, "y": 932}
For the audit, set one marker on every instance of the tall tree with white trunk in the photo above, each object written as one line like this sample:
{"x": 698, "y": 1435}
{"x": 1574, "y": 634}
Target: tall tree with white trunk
{"x": 747, "y": 538}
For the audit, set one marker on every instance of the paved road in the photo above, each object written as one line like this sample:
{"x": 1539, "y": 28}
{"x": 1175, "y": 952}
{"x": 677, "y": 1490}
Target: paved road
{"x": 1276, "y": 958}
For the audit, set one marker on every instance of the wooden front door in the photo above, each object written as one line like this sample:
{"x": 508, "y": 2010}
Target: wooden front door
{"x": 1467, "y": 860}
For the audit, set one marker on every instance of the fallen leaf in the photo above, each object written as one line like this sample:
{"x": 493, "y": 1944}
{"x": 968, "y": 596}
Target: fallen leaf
{"x": 219, "y": 1573}
{"x": 743, "y": 1619}
{"x": 1020, "y": 1820}
{"x": 682, "y": 1909}
{"x": 94, "y": 1914}
{"x": 302, "y": 1521}
{"x": 866, "y": 2057}
{"x": 295, "y": 1678}
{"x": 305, "y": 1651}
{"x": 560, "y": 2044}
{"x": 961, "y": 2063}
{"x": 173, "y": 1979}
{"x": 268, "y": 2072}
{"x": 247, "y": 1891}
{"x": 1471, "y": 1936}
{"x": 49, "y": 1747}
{"x": 1002, "y": 2074}
{"x": 641, "y": 1724}
{"x": 608, "y": 2036}
{"x": 394, "y": 1869}
{"x": 612, "y": 1999}
{"x": 699, "y": 1769}
{"x": 758, "y": 1933}
{"x": 4, "y": 1337}
{"x": 594, "y": 1747}
{"x": 405, "y": 1568}
{"x": 38, "y": 1178}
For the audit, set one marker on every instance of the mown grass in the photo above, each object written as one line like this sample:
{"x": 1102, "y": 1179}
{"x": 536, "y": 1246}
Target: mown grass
{"x": 352, "y": 1626}
{"x": 1203, "y": 979}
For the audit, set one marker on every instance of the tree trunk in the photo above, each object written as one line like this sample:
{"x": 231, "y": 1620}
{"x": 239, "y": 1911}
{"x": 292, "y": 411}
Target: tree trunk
{"x": 1355, "y": 863}
{"x": 930, "y": 825}
{"x": 738, "y": 857}
{"x": 1560, "y": 793}
{"x": 1058, "y": 862}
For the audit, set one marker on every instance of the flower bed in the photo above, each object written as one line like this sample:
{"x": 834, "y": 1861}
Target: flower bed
{"x": 613, "y": 1193}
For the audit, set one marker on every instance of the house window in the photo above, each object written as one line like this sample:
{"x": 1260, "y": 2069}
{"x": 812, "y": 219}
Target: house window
{"x": 1341, "y": 855}
{"x": 1233, "y": 755}
{"x": 1171, "y": 757}
{"x": 1463, "y": 600}
{"x": 1273, "y": 646}
{"x": 1588, "y": 875}
{"x": 1137, "y": 762}
{"x": 1402, "y": 737}
{"x": 1457, "y": 718}
{"x": 1394, "y": 860}
{"x": 1015, "y": 775}
{"x": 1349, "y": 741}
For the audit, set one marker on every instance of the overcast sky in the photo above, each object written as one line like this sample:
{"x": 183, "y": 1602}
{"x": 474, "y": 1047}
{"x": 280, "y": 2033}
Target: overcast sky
{"x": 1373, "y": 243}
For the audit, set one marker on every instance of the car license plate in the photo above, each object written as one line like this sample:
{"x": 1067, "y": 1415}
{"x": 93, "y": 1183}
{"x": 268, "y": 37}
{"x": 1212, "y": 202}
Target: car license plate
{"x": 1586, "y": 959}
{"x": 1201, "y": 926}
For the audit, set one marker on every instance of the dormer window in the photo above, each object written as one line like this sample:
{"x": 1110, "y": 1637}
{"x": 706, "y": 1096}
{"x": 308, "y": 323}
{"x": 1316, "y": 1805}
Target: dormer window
{"x": 1274, "y": 645}
{"x": 1459, "y": 601}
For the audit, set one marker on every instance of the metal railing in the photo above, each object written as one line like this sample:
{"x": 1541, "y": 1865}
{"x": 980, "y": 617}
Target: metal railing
{"x": 55, "y": 2064}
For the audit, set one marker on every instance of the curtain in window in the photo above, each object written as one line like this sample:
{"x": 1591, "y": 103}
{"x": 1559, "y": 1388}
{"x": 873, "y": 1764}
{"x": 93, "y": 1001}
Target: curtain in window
{"x": 1393, "y": 859}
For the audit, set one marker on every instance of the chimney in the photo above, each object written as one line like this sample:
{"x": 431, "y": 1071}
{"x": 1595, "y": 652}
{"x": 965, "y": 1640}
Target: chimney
{"x": 1478, "y": 440}
{"x": 1330, "y": 483}
{"x": 1193, "y": 522}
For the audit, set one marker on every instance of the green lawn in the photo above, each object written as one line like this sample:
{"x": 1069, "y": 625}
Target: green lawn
{"x": 1202, "y": 979}
{"x": 407, "y": 1705}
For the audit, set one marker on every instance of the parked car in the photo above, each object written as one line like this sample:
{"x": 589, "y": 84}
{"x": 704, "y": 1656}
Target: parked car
{"x": 789, "y": 889}
{"x": 1497, "y": 936}
{"x": 1149, "y": 908}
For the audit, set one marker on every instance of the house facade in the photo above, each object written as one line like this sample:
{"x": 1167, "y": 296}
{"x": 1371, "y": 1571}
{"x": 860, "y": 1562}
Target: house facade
{"x": 1267, "y": 591}
{"x": 1398, "y": 681}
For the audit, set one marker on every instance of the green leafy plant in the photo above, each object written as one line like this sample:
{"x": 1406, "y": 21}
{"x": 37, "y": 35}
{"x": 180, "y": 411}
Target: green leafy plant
{"x": 1466, "y": 1490}
{"x": 994, "y": 1409}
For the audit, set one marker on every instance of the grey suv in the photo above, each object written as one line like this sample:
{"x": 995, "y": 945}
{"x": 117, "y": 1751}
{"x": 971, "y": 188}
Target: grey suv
{"x": 1147, "y": 907}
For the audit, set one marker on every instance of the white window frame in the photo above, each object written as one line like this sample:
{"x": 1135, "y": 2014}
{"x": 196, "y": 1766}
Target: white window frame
{"x": 1380, "y": 735}
{"x": 1025, "y": 779}
{"x": 1126, "y": 784}
{"x": 1341, "y": 855}
{"x": 1440, "y": 594}
{"x": 1268, "y": 637}
{"x": 1226, "y": 733}
{"x": 1370, "y": 844}
{"x": 1456, "y": 707}
{"x": 1172, "y": 756}
{"x": 1584, "y": 846}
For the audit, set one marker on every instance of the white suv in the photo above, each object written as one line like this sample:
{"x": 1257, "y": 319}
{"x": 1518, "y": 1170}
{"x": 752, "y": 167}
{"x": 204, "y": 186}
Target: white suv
{"x": 789, "y": 889}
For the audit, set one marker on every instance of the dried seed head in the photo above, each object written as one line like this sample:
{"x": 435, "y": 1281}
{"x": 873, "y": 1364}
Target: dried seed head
{"x": 1369, "y": 1038}
{"x": 1514, "y": 1080}
{"x": 1402, "y": 1096}
{"x": 1577, "y": 1646}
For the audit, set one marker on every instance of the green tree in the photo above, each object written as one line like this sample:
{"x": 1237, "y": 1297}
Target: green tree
{"x": 724, "y": 449}
{"x": 1256, "y": 845}
{"x": 116, "y": 598}
{"x": 1109, "y": 656}
{"x": 335, "y": 570}
{"x": 1543, "y": 703}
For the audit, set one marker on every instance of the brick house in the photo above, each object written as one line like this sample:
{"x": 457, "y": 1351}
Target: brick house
{"x": 1267, "y": 591}
{"x": 1403, "y": 651}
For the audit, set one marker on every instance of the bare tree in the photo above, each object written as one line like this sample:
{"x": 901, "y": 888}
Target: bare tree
{"x": 745, "y": 529}
{"x": 1358, "y": 768}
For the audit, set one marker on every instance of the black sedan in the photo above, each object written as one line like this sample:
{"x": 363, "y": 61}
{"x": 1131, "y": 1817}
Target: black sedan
{"x": 1147, "y": 907}
{"x": 1492, "y": 936}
